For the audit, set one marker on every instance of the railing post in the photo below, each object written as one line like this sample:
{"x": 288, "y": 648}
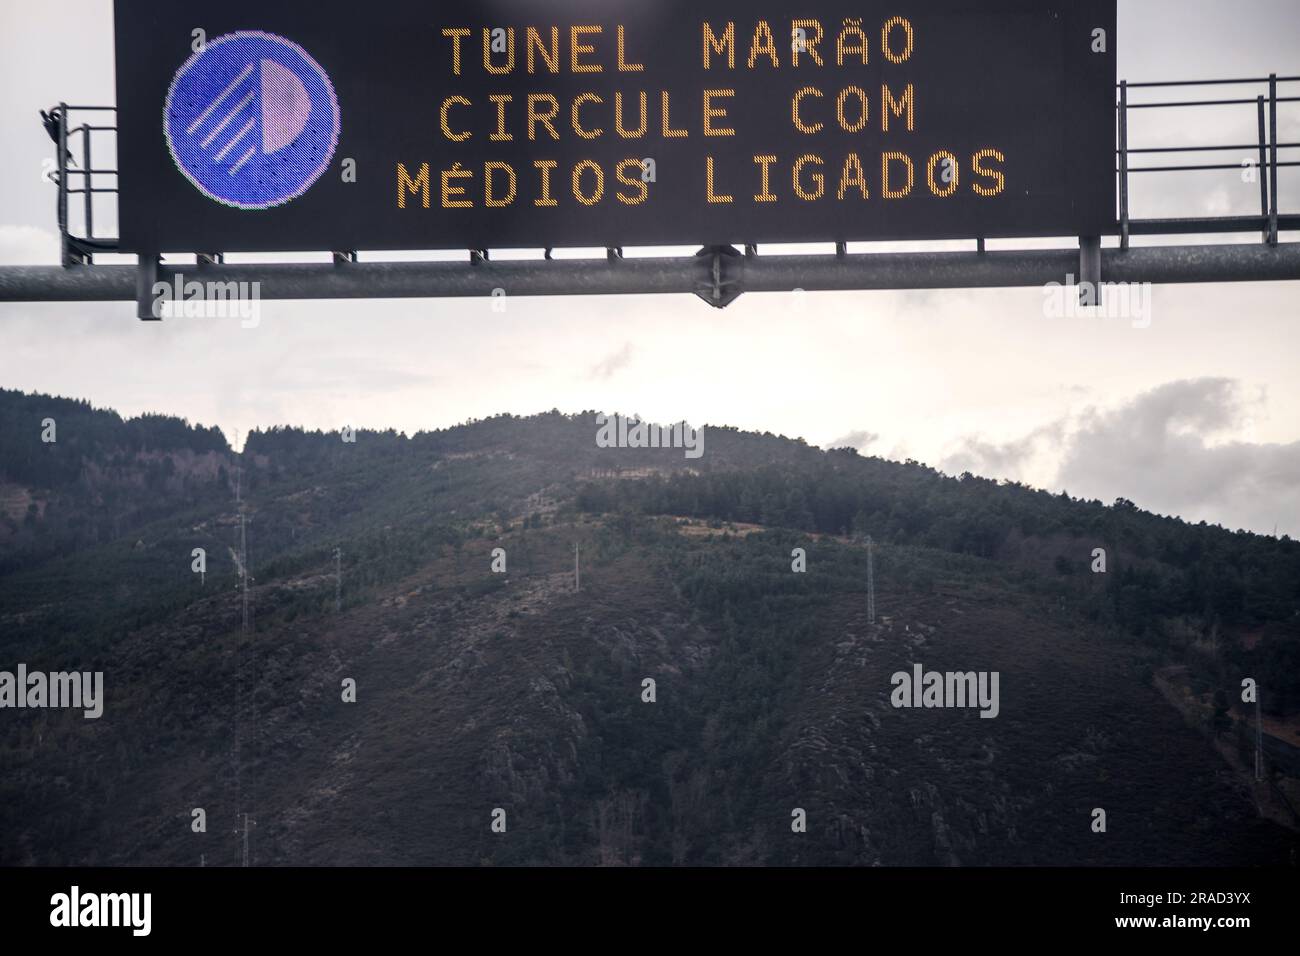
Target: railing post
{"x": 88, "y": 181}
{"x": 1123, "y": 164}
{"x": 1272, "y": 122}
{"x": 1263, "y": 170}
{"x": 65, "y": 252}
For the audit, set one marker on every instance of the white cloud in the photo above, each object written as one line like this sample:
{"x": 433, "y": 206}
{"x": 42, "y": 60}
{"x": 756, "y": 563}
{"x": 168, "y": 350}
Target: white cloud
{"x": 1184, "y": 448}
{"x": 1157, "y": 451}
{"x": 613, "y": 362}
{"x": 28, "y": 246}
{"x": 861, "y": 440}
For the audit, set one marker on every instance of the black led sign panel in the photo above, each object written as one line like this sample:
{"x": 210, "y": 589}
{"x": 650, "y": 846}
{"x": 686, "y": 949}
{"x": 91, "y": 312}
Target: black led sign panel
{"x": 260, "y": 125}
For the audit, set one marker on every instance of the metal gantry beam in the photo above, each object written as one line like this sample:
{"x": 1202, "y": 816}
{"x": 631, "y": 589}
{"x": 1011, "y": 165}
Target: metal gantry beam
{"x": 718, "y": 274}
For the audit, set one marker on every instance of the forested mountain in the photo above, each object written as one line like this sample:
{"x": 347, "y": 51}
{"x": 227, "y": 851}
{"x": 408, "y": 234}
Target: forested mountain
{"x": 484, "y": 680}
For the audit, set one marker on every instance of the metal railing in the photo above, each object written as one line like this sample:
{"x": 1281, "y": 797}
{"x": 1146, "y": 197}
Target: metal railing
{"x": 1269, "y": 219}
{"x": 79, "y": 250}
{"x": 719, "y": 274}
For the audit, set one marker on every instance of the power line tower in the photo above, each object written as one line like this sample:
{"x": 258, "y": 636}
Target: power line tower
{"x": 239, "y": 653}
{"x": 243, "y": 570}
{"x": 245, "y": 629}
{"x": 239, "y": 471}
{"x": 242, "y": 832}
{"x": 871, "y": 584}
{"x": 1259, "y": 740}
{"x": 338, "y": 580}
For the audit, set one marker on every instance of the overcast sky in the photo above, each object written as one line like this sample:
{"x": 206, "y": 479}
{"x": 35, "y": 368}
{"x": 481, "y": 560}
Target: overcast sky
{"x": 1196, "y": 415}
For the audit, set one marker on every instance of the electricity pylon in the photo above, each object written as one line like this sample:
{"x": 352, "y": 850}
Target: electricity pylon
{"x": 871, "y": 584}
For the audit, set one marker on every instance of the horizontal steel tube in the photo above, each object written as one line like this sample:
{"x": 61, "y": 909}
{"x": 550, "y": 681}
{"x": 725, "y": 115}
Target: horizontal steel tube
{"x": 366, "y": 280}
{"x": 1209, "y": 225}
{"x": 912, "y": 270}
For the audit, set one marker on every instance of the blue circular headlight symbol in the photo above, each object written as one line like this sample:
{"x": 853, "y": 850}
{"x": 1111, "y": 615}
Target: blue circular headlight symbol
{"x": 251, "y": 120}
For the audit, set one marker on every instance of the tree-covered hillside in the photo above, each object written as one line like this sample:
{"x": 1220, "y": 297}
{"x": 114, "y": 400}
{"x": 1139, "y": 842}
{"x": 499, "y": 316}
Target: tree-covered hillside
{"x": 436, "y": 571}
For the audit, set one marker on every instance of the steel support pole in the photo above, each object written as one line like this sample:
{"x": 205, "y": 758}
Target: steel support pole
{"x": 65, "y": 250}
{"x": 1123, "y": 165}
{"x": 1090, "y": 270}
{"x": 1272, "y": 122}
{"x": 147, "y": 307}
{"x": 1262, "y": 171}
{"x": 89, "y": 183}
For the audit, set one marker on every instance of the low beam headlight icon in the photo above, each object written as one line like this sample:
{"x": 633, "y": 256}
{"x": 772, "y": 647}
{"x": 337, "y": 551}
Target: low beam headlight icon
{"x": 251, "y": 120}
